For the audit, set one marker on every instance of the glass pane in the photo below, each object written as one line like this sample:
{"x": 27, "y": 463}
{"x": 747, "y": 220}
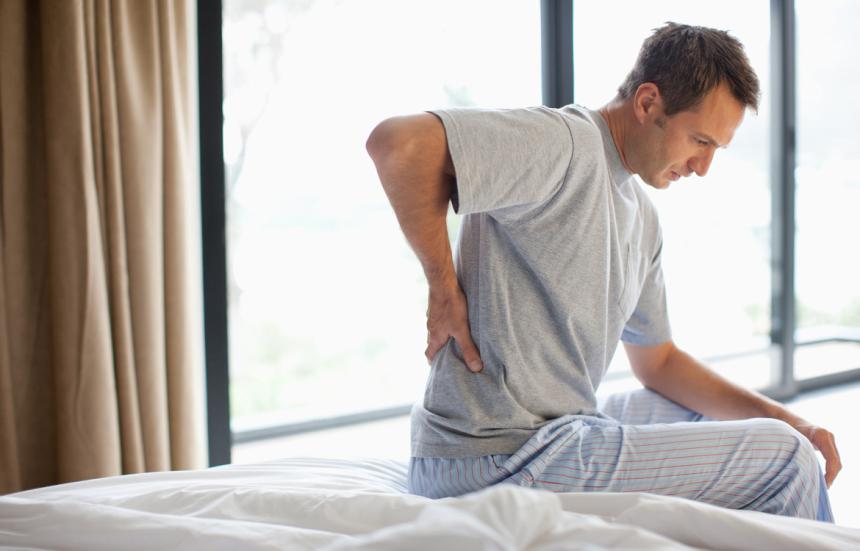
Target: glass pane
{"x": 327, "y": 301}
{"x": 716, "y": 230}
{"x": 828, "y": 188}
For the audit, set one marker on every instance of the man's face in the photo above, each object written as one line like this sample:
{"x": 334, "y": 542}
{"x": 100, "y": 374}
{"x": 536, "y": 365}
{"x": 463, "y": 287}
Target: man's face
{"x": 685, "y": 143}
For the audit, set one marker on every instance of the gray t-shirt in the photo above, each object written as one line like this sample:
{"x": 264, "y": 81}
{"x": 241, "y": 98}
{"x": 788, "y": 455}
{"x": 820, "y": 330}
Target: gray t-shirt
{"x": 559, "y": 258}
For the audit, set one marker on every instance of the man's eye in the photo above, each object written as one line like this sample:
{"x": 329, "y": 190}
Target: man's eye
{"x": 701, "y": 142}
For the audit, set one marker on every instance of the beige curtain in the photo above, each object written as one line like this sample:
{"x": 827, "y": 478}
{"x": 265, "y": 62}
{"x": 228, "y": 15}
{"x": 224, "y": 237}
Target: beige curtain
{"x": 99, "y": 362}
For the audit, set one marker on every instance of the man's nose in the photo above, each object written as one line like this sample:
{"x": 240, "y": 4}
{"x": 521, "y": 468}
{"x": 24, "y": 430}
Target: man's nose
{"x": 701, "y": 163}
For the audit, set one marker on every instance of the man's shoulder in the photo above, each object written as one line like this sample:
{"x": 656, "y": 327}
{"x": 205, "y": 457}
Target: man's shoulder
{"x": 580, "y": 117}
{"x": 584, "y": 129}
{"x": 578, "y": 121}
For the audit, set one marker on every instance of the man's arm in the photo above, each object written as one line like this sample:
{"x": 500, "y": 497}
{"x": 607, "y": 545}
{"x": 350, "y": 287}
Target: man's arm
{"x": 415, "y": 169}
{"x": 678, "y": 376}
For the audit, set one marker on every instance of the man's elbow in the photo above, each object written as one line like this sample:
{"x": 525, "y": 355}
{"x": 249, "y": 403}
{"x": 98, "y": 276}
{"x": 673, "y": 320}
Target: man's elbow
{"x": 379, "y": 141}
{"x": 391, "y": 139}
{"x": 648, "y": 363}
{"x": 410, "y": 140}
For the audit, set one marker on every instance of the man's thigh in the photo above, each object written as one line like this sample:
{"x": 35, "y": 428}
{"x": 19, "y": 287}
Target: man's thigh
{"x": 760, "y": 464}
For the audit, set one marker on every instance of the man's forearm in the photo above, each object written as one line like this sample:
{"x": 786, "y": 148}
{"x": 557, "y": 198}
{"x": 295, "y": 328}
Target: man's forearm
{"x": 687, "y": 381}
{"x": 422, "y": 216}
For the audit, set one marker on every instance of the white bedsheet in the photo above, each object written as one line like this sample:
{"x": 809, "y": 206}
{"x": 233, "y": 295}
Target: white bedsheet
{"x": 341, "y": 504}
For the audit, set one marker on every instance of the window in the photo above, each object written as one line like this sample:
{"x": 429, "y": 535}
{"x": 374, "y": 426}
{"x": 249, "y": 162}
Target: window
{"x": 326, "y": 300}
{"x": 828, "y": 189}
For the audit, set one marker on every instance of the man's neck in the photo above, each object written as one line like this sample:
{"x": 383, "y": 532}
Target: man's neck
{"x": 616, "y": 116}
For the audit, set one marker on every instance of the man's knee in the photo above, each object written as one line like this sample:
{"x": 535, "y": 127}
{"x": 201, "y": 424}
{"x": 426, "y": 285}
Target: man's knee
{"x": 785, "y": 442}
{"x": 790, "y": 479}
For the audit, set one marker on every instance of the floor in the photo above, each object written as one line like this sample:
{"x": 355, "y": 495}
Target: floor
{"x": 834, "y": 409}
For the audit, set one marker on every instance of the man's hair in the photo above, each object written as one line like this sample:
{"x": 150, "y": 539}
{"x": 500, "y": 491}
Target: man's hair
{"x": 687, "y": 62}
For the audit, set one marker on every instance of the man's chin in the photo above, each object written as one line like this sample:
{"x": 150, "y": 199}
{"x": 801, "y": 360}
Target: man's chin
{"x": 657, "y": 182}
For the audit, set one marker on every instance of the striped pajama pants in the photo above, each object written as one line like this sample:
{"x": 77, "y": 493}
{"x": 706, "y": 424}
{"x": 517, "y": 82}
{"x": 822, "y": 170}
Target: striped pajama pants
{"x": 647, "y": 443}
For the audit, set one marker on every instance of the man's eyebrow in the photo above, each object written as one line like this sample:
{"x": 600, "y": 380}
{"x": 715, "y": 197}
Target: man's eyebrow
{"x": 711, "y": 140}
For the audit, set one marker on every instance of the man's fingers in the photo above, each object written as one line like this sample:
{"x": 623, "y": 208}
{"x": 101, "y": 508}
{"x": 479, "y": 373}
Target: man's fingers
{"x": 824, "y": 441}
{"x": 829, "y": 477}
{"x": 447, "y": 316}
{"x": 833, "y": 463}
{"x": 433, "y": 347}
{"x": 470, "y": 352}
{"x": 831, "y": 469}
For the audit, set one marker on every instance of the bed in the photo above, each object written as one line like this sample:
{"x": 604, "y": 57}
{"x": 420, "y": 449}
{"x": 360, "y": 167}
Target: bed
{"x": 310, "y": 503}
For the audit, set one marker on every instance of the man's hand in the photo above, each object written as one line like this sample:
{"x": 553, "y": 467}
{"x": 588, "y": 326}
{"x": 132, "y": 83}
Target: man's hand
{"x": 823, "y": 441}
{"x": 448, "y": 316}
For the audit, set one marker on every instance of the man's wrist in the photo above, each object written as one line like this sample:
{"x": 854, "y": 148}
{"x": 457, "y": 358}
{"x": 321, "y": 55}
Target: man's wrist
{"x": 778, "y": 411}
{"x": 441, "y": 280}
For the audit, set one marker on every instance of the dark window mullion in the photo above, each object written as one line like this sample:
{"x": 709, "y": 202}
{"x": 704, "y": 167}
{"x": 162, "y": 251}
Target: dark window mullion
{"x": 556, "y": 18}
{"x": 783, "y": 157}
{"x": 213, "y": 226}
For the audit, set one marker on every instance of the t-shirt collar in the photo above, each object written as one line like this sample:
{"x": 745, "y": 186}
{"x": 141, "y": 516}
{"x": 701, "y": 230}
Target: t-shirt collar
{"x": 619, "y": 172}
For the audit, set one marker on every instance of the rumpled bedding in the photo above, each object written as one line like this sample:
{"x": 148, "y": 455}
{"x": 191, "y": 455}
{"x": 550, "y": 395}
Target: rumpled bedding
{"x": 307, "y": 503}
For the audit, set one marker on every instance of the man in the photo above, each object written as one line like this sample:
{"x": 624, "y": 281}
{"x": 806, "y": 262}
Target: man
{"x": 559, "y": 257}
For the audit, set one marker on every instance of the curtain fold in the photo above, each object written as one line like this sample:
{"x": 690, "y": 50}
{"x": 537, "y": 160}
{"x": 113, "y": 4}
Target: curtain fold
{"x": 99, "y": 369}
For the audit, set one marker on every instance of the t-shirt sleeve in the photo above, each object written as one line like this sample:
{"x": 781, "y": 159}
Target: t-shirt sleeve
{"x": 506, "y": 157}
{"x": 649, "y": 323}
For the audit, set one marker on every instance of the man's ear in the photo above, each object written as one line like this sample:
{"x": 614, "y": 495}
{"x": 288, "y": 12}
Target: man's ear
{"x": 647, "y": 102}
